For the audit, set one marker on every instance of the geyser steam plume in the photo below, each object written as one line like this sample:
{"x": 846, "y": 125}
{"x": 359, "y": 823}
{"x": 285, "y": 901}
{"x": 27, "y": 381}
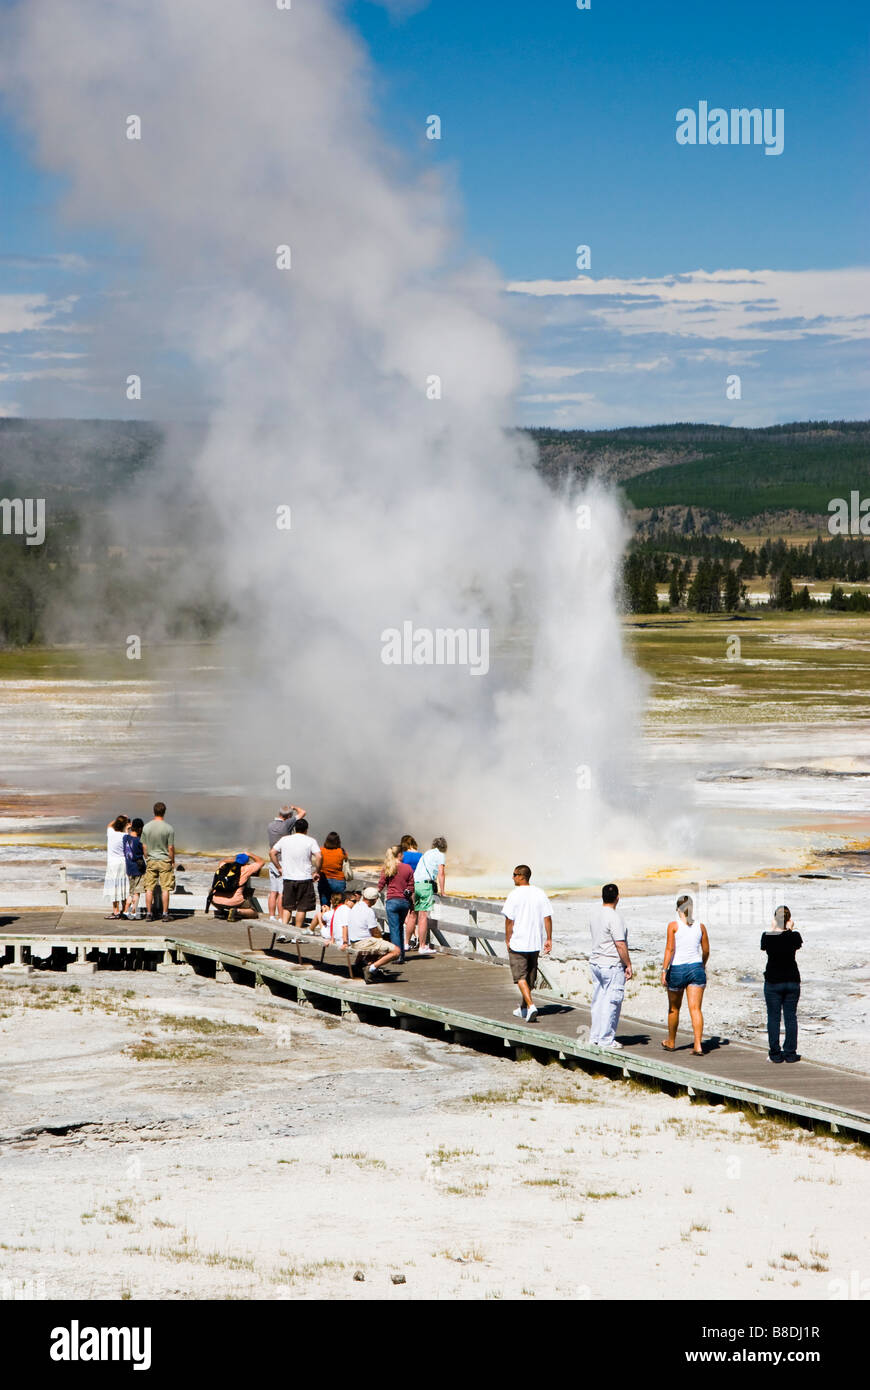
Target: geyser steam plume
{"x": 256, "y": 133}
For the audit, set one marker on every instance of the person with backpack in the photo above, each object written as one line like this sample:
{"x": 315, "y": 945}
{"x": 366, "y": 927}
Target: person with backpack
{"x": 134, "y": 858}
{"x": 231, "y": 893}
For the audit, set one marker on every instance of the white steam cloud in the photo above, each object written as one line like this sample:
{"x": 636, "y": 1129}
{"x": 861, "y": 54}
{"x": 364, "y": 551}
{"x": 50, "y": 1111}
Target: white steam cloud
{"x": 257, "y": 133}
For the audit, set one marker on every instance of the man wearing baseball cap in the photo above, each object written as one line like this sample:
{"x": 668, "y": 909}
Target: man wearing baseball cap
{"x": 361, "y": 931}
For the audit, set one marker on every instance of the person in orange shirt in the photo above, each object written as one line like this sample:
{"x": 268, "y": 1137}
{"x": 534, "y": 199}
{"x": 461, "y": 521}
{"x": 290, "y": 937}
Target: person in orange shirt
{"x": 332, "y": 879}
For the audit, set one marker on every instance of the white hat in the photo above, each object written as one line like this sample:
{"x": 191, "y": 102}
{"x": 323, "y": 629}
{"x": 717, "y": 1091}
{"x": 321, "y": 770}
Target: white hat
{"x": 371, "y": 894}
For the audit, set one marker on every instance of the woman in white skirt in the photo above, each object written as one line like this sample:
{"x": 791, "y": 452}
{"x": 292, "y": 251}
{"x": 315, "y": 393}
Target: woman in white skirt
{"x": 116, "y": 886}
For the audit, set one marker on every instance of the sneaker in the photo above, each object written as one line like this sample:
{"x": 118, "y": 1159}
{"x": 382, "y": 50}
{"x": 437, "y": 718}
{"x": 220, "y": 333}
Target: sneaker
{"x": 532, "y": 1013}
{"x": 425, "y": 951}
{"x": 795, "y": 1058}
{"x": 371, "y": 973}
{"x": 413, "y": 944}
{"x": 281, "y": 937}
{"x": 520, "y": 1012}
{"x": 166, "y": 917}
{"x": 617, "y": 1046}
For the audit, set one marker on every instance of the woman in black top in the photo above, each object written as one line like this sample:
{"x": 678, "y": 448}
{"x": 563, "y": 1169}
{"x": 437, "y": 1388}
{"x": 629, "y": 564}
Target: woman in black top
{"x": 782, "y": 985}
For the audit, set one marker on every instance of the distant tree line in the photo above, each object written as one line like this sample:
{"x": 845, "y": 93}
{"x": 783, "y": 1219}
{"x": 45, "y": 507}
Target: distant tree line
{"x": 835, "y": 557}
{"x": 718, "y": 585}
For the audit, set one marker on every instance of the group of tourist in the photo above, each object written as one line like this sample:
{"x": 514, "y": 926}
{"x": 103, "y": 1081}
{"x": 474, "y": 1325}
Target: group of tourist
{"x": 529, "y": 932}
{"x": 307, "y": 878}
{"x": 140, "y": 859}
{"x": 684, "y": 972}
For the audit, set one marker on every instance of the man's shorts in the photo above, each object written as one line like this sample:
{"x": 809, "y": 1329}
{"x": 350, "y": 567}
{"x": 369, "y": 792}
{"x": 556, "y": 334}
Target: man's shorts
{"x": 276, "y": 882}
{"x": 524, "y": 966}
{"x": 371, "y": 946}
{"x": 136, "y": 884}
{"x": 159, "y": 870}
{"x": 424, "y": 894}
{"x": 298, "y": 895}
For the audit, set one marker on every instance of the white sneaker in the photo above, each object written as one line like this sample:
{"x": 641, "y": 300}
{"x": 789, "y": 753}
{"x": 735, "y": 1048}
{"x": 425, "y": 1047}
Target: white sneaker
{"x": 425, "y": 951}
{"x": 520, "y": 1012}
{"x": 532, "y": 1013}
{"x": 616, "y": 1045}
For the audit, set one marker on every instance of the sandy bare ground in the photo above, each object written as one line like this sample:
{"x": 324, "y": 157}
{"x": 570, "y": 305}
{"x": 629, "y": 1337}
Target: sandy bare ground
{"x": 170, "y": 1137}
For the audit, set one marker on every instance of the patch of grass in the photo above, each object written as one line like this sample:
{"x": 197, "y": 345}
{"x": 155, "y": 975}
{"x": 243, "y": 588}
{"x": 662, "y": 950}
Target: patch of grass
{"x": 471, "y": 1189}
{"x": 440, "y": 1155}
{"x": 545, "y": 1182}
{"x": 473, "y": 1255}
{"x": 307, "y": 1271}
{"x": 204, "y": 1025}
{"x": 150, "y": 1051}
{"x": 363, "y": 1160}
{"x": 163, "y": 1224}
{"x": 602, "y": 1196}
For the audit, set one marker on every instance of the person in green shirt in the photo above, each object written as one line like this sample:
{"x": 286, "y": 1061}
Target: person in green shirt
{"x": 158, "y": 842}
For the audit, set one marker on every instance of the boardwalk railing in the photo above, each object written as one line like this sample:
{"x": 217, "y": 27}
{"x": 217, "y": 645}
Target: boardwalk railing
{"x": 482, "y": 938}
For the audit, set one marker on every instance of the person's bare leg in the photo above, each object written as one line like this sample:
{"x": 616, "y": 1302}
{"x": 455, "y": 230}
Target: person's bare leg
{"x": 273, "y": 904}
{"x": 695, "y": 995}
{"x": 300, "y": 920}
{"x": 149, "y": 897}
{"x": 422, "y": 929}
{"x": 285, "y": 915}
{"x": 410, "y": 924}
{"x": 523, "y": 987}
{"x": 392, "y": 954}
{"x": 675, "y": 999}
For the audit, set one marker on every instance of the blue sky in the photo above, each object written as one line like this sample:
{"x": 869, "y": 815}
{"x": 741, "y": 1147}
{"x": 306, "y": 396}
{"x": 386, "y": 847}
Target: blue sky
{"x": 558, "y": 128}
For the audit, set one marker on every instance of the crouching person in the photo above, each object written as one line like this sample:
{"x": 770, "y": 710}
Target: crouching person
{"x": 232, "y": 893}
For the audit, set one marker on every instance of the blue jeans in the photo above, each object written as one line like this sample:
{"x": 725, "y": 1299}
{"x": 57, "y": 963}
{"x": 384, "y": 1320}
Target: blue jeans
{"x": 328, "y": 886}
{"x": 782, "y": 999}
{"x": 397, "y": 910}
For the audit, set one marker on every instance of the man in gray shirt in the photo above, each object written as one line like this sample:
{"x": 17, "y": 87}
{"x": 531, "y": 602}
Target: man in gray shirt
{"x": 610, "y": 964}
{"x": 276, "y": 830}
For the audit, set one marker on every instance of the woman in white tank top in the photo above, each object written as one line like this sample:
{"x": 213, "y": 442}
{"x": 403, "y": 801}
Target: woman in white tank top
{"x": 683, "y": 968}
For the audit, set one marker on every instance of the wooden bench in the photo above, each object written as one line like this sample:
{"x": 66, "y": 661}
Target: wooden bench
{"x": 329, "y": 953}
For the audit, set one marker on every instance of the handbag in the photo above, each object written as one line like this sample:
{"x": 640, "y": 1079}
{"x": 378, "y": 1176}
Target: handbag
{"x": 346, "y": 872}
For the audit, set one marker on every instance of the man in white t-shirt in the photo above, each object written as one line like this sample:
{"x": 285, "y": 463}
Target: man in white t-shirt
{"x": 528, "y": 930}
{"x": 298, "y": 857}
{"x": 428, "y": 880}
{"x": 361, "y": 930}
{"x": 610, "y": 964}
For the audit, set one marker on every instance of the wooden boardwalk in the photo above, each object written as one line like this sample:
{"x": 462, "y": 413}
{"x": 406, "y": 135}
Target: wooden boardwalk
{"x": 466, "y": 999}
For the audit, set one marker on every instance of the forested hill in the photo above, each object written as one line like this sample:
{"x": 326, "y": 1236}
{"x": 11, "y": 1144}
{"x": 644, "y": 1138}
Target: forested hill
{"x": 737, "y": 473}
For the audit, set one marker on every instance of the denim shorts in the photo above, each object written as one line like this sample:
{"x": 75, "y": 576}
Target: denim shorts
{"x": 679, "y": 976}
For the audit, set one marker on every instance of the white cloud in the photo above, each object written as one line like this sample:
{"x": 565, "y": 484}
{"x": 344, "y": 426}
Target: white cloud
{"x": 47, "y": 374}
{"x": 622, "y": 365}
{"x": 547, "y": 397}
{"x": 735, "y": 304}
{"x": 27, "y": 313}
